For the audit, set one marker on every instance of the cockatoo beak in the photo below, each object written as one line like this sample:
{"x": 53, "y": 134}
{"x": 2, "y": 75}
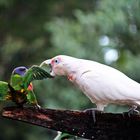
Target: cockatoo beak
{"x": 48, "y": 63}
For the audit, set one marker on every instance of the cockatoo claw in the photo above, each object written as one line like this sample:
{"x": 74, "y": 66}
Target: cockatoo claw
{"x": 92, "y": 111}
{"x": 132, "y": 111}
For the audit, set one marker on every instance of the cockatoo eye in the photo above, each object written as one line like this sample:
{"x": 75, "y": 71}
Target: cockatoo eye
{"x": 56, "y": 61}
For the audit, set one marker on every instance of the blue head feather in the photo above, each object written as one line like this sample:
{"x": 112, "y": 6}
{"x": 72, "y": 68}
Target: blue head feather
{"x": 20, "y": 70}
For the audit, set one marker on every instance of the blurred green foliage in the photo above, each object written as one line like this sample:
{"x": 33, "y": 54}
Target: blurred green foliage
{"x": 31, "y": 31}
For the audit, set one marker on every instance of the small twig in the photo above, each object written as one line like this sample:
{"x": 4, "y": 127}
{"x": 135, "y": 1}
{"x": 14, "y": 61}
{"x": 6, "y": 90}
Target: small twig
{"x": 108, "y": 125}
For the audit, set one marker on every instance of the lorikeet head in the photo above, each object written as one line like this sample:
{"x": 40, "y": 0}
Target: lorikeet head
{"x": 20, "y": 70}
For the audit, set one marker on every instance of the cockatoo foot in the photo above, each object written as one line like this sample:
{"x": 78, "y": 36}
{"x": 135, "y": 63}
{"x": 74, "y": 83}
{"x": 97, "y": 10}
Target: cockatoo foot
{"x": 132, "y": 111}
{"x": 93, "y": 111}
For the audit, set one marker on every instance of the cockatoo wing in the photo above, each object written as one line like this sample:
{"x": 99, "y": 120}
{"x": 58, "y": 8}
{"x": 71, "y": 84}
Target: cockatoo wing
{"x": 108, "y": 85}
{"x": 34, "y": 73}
{"x": 4, "y": 89}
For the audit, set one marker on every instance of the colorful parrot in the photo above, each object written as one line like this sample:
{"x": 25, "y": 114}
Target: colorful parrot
{"x": 102, "y": 84}
{"x": 20, "y": 88}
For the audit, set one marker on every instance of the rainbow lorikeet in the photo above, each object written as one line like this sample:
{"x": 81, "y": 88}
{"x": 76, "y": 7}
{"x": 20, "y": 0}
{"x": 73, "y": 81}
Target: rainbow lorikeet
{"x": 20, "y": 88}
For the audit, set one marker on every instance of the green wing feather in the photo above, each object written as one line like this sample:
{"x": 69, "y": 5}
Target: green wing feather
{"x": 31, "y": 97}
{"x": 4, "y": 89}
{"x": 34, "y": 73}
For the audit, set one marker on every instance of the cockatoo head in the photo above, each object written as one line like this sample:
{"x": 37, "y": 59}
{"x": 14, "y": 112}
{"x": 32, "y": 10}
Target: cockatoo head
{"x": 59, "y": 65}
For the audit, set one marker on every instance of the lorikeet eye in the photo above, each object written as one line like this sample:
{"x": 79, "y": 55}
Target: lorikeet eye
{"x": 22, "y": 69}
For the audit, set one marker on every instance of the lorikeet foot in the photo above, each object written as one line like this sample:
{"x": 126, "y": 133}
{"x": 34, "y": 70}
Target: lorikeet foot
{"x": 8, "y": 97}
{"x": 37, "y": 106}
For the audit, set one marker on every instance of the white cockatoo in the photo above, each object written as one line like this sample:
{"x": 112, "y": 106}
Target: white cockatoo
{"x": 102, "y": 84}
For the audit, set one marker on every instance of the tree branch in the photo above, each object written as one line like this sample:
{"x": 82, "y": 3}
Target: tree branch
{"x": 108, "y": 125}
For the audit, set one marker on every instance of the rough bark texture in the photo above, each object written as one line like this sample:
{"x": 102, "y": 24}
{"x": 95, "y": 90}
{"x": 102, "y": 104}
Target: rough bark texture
{"x": 108, "y": 126}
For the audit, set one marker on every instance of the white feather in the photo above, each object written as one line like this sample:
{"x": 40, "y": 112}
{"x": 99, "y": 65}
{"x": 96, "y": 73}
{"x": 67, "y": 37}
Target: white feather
{"x": 101, "y": 83}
